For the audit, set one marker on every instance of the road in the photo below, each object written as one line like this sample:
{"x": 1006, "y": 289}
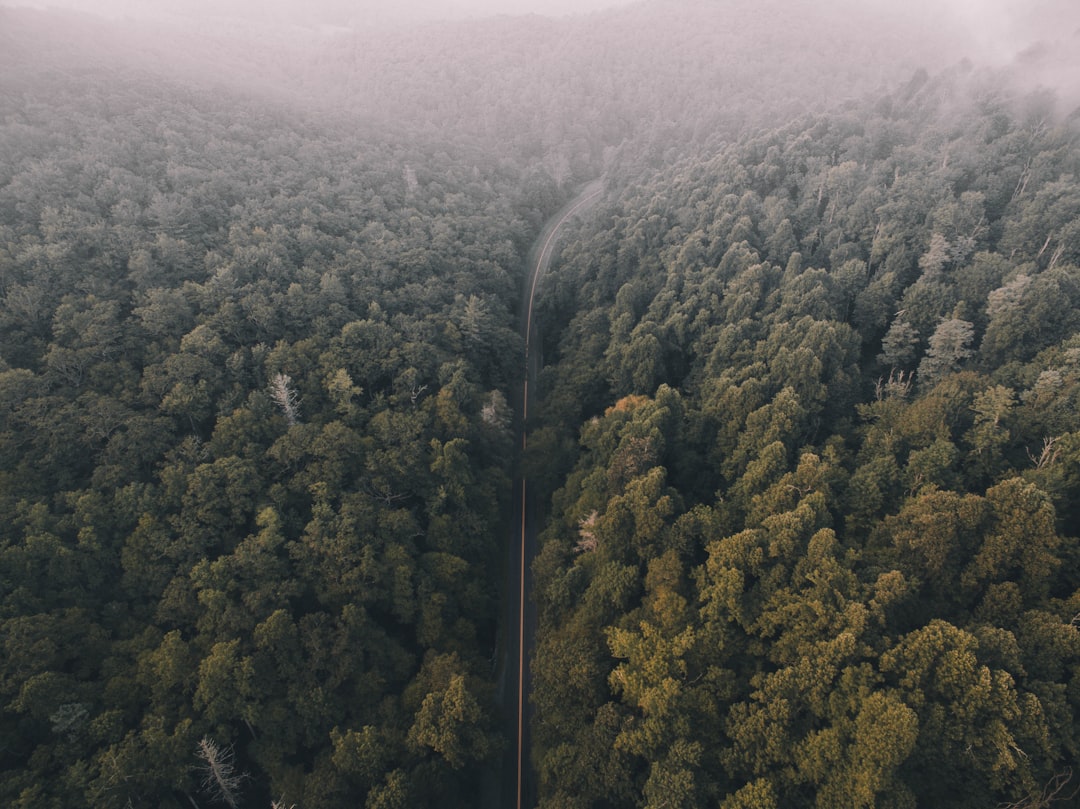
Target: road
{"x": 518, "y": 788}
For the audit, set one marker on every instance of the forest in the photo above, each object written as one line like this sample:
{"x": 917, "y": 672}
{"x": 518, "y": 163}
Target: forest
{"x": 254, "y": 452}
{"x": 807, "y": 436}
{"x": 812, "y": 405}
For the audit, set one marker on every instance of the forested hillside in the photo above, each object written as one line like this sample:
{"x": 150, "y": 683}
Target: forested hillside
{"x": 808, "y": 434}
{"x": 559, "y": 93}
{"x": 253, "y": 452}
{"x": 816, "y": 543}
{"x": 654, "y": 74}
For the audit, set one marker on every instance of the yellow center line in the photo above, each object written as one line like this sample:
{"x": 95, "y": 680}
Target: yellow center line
{"x": 521, "y": 658}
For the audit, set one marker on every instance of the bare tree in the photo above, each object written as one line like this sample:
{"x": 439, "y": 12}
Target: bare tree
{"x": 588, "y": 541}
{"x": 1054, "y": 791}
{"x": 1049, "y": 453}
{"x": 898, "y": 384}
{"x": 220, "y": 779}
{"x": 285, "y": 397}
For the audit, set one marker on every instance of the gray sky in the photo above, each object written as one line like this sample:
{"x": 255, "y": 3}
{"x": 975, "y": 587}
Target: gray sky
{"x": 997, "y": 28}
{"x": 321, "y": 10}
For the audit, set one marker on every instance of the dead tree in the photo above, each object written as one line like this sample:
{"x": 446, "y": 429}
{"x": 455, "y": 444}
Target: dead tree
{"x": 221, "y": 781}
{"x": 285, "y": 396}
{"x": 1054, "y": 791}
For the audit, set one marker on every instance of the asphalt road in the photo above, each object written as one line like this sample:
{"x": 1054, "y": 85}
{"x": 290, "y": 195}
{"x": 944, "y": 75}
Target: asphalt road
{"x": 519, "y": 617}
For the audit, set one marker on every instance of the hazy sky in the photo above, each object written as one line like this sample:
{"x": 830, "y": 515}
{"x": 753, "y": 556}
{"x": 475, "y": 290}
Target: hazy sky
{"x": 998, "y": 29}
{"x": 321, "y": 10}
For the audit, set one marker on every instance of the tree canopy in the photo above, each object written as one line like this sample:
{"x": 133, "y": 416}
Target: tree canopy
{"x": 807, "y": 430}
{"x": 820, "y": 525}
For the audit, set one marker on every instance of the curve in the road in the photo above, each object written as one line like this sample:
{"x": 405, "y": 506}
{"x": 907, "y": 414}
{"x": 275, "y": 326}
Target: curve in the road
{"x": 590, "y": 194}
{"x": 542, "y": 259}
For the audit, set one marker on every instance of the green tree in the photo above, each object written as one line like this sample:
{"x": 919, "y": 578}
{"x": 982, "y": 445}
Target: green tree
{"x": 949, "y": 347}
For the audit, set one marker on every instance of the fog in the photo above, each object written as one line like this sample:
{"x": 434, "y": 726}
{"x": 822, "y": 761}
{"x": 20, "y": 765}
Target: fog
{"x": 997, "y": 29}
{"x": 1001, "y": 28}
{"x": 822, "y": 51}
{"x": 351, "y": 13}
{"x": 990, "y": 31}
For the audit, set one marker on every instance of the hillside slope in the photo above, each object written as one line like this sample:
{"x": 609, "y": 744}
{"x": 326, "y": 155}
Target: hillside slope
{"x": 812, "y": 400}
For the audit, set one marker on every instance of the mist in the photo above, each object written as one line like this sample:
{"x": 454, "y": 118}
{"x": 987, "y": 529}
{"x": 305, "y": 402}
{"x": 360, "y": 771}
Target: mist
{"x": 346, "y": 13}
{"x": 559, "y": 79}
{"x": 1045, "y": 33}
{"x": 789, "y": 291}
{"x": 997, "y": 29}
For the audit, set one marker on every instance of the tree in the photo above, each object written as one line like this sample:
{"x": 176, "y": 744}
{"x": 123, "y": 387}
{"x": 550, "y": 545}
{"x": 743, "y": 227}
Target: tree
{"x": 1029, "y": 313}
{"x": 758, "y": 794}
{"x": 224, "y": 692}
{"x": 973, "y": 738}
{"x": 220, "y": 779}
{"x": 899, "y": 344}
{"x": 949, "y": 346}
{"x": 936, "y": 257}
{"x": 935, "y": 534}
{"x": 450, "y": 722}
{"x": 284, "y": 395}
{"x": 1022, "y": 543}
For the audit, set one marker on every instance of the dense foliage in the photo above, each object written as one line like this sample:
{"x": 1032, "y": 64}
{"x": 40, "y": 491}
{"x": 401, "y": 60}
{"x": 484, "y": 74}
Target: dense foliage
{"x": 810, "y": 425}
{"x": 817, "y": 544}
{"x": 253, "y": 451}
